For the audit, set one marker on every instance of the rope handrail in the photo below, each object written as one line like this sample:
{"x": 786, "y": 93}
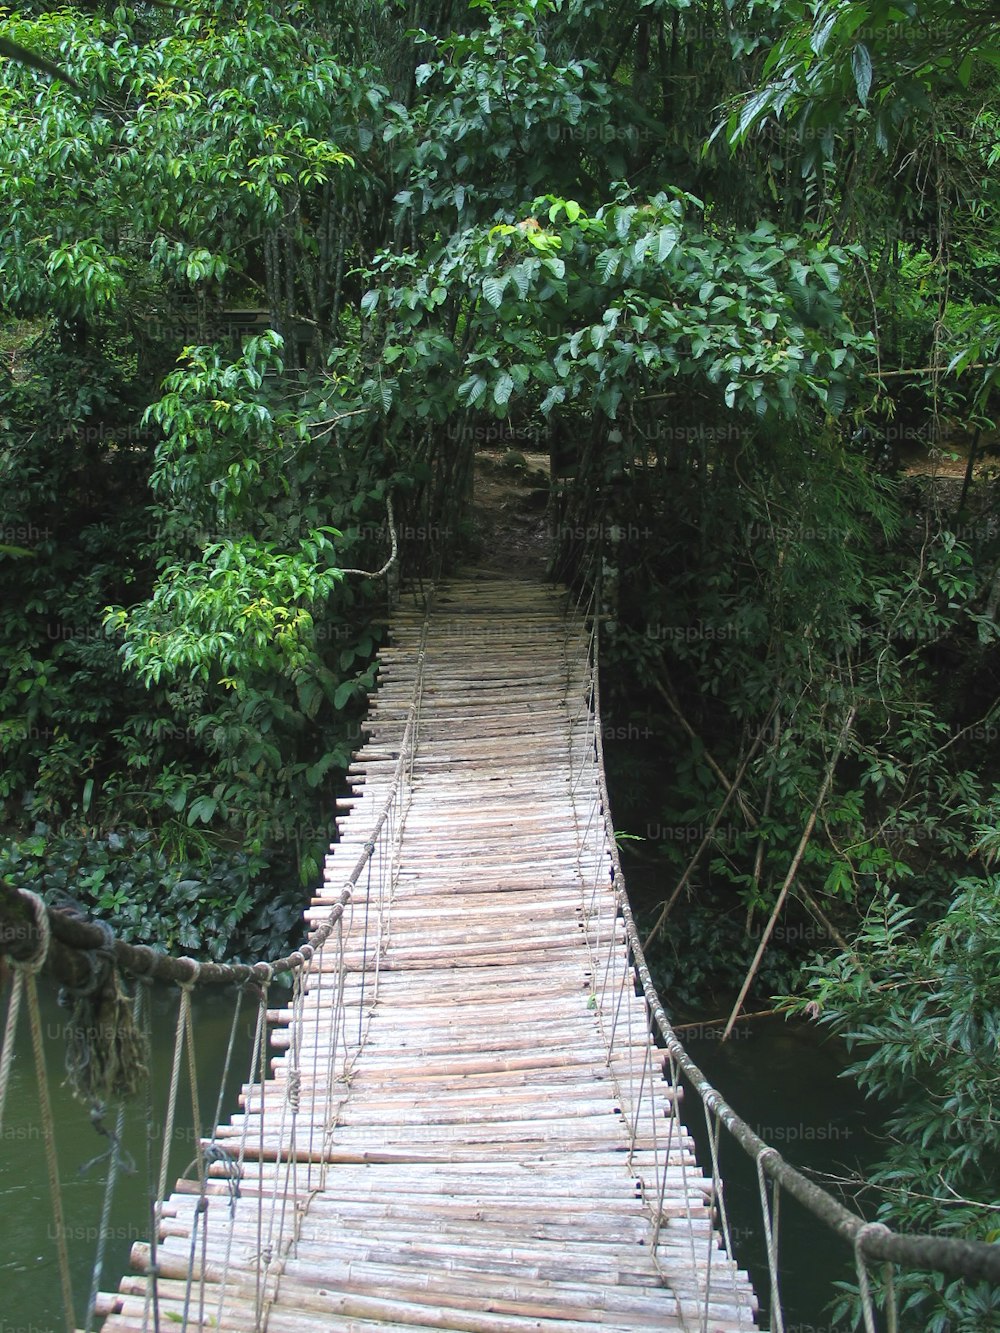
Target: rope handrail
{"x": 73, "y": 937}
{"x": 872, "y": 1240}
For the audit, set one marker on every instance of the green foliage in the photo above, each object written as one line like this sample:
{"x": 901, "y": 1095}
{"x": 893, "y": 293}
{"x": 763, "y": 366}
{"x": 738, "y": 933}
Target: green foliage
{"x": 889, "y": 59}
{"x": 884, "y": 112}
{"x": 919, "y": 1004}
{"x": 244, "y": 607}
{"x": 250, "y": 703}
{"x": 215, "y": 131}
{"x": 217, "y": 907}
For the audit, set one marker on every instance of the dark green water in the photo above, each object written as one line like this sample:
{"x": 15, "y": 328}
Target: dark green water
{"x": 785, "y": 1081}
{"x": 30, "y": 1300}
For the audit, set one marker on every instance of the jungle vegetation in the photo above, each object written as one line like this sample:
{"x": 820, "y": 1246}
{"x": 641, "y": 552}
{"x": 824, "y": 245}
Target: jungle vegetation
{"x": 264, "y": 264}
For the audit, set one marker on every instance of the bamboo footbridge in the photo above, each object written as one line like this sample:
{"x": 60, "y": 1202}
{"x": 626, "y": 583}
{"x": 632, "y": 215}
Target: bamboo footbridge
{"x": 466, "y": 1112}
{"x": 471, "y": 1164}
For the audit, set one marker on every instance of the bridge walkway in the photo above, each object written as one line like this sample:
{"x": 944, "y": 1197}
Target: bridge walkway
{"x": 468, "y": 1165}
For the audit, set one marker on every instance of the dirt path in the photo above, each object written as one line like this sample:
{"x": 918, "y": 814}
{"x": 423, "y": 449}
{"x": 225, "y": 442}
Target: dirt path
{"x": 510, "y": 512}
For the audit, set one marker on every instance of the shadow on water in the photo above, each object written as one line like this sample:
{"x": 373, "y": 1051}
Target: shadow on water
{"x": 784, "y": 1079}
{"x": 30, "y": 1300}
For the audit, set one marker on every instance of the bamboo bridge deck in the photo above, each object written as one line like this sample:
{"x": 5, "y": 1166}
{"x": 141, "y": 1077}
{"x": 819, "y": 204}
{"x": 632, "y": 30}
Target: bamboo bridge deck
{"x": 471, "y": 1168}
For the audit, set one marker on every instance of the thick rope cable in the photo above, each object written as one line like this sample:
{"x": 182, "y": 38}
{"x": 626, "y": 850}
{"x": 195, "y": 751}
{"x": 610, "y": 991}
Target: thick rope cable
{"x": 22, "y": 969}
{"x": 975, "y": 1260}
{"x": 872, "y": 1242}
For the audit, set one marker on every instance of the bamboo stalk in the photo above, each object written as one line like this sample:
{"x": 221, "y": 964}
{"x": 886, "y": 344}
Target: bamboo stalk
{"x": 792, "y": 869}
{"x": 706, "y": 841}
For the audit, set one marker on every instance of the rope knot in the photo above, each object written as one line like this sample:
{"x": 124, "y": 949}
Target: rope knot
{"x": 868, "y": 1231}
{"x": 293, "y": 1092}
{"x": 263, "y": 974}
{"x": 766, "y": 1154}
{"x": 191, "y": 980}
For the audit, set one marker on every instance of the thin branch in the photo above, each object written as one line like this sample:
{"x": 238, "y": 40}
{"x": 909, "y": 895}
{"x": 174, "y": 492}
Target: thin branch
{"x": 793, "y": 868}
{"x": 705, "y": 842}
{"x": 928, "y": 370}
{"x": 714, "y": 1022}
{"x": 674, "y": 706}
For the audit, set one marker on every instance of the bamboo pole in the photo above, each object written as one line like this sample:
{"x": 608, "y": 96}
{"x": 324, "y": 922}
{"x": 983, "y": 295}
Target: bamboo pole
{"x": 792, "y": 869}
{"x": 706, "y": 841}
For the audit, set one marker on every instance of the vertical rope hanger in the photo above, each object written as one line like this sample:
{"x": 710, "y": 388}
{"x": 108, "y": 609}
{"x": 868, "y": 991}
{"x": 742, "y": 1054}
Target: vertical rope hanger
{"x": 318, "y": 995}
{"x": 144, "y": 1020}
{"x": 260, "y": 1030}
{"x": 26, "y": 973}
{"x": 370, "y": 849}
{"x": 713, "y": 1126}
{"x": 25, "y": 983}
{"x": 114, "y": 1161}
{"x": 864, "y": 1283}
{"x": 260, "y": 1052}
{"x": 337, "y": 1040}
{"x": 770, "y": 1216}
{"x": 200, "y": 1223}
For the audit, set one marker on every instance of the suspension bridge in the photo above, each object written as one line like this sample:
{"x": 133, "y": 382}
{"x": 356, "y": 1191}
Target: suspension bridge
{"x": 467, "y": 1111}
